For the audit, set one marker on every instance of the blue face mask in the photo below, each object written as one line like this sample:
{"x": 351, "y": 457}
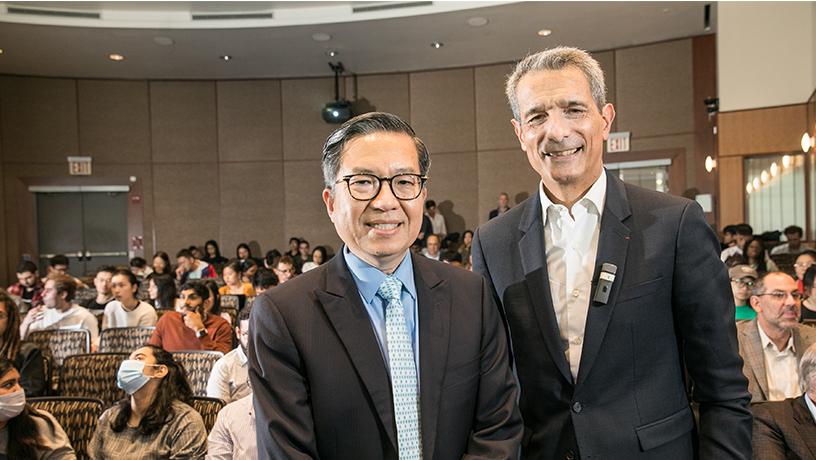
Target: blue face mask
{"x": 131, "y": 375}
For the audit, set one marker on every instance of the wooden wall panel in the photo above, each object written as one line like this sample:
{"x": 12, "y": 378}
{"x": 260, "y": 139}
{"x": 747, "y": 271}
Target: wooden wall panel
{"x": 769, "y": 130}
{"x": 732, "y": 191}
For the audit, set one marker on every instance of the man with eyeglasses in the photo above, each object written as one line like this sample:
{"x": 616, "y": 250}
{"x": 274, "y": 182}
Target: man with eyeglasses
{"x": 772, "y": 344}
{"x": 743, "y": 278}
{"x": 379, "y": 353}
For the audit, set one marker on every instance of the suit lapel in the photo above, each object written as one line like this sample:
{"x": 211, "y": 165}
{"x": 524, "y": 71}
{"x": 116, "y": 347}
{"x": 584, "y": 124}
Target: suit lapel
{"x": 534, "y": 263}
{"x": 755, "y": 356}
{"x": 342, "y": 303}
{"x": 434, "y": 312}
{"x": 613, "y": 244}
{"x": 805, "y": 425}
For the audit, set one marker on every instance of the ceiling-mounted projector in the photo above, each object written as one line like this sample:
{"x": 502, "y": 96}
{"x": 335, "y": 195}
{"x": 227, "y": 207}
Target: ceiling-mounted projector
{"x": 338, "y": 110}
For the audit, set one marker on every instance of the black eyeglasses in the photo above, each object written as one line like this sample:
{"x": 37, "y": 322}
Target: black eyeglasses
{"x": 743, "y": 283}
{"x": 364, "y": 187}
{"x": 781, "y": 296}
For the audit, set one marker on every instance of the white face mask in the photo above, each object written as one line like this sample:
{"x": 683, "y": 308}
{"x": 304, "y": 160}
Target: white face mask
{"x": 11, "y": 405}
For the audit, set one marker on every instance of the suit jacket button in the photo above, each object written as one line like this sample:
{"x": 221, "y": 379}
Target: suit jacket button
{"x": 576, "y": 407}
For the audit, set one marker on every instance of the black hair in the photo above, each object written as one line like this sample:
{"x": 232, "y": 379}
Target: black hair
{"x": 198, "y": 287}
{"x": 24, "y": 436}
{"x": 732, "y": 229}
{"x": 132, "y": 279}
{"x": 322, "y": 250}
{"x": 294, "y": 238}
{"x": 166, "y": 286}
{"x": 214, "y": 244}
{"x": 212, "y": 286}
{"x": 173, "y": 387}
{"x": 185, "y": 253}
{"x": 10, "y": 340}
{"x": 58, "y": 259}
{"x": 272, "y": 257}
{"x": 26, "y": 266}
{"x": 807, "y": 278}
{"x": 451, "y": 256}
{"x": 264, "y": 279}
{"x": 794, "y": 229}
{"x": 64, "y": 284}
{"x": 465, "y": 233}
{"x": 247, "y": 264}
{"x": 138, "y": 262}
{"x": 430, "y": 204}
{"x": 107, "y": 269}
{"x": 235, "y": 265}
{"x": 245, "y": 246}
{"x": 744, "y": 230}
{"x": 761, "y": 265}
{"x": 163, "y": 256}
{"x": 243, "y": 315}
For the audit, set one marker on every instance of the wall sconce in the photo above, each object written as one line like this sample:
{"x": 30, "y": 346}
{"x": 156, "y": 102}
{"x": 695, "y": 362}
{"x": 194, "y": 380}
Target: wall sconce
{"x": 710, "y": 164}
{"x": 807, "y": 142}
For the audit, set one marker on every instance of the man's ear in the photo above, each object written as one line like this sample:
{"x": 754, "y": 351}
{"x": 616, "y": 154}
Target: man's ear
{"x": 328, "y": 200}
{"x": 517, "y": 129}
{"x": 608, "y": 114}
{"x": 754, "y": 301}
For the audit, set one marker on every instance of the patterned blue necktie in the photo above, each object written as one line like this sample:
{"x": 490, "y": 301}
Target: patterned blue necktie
{"x": 403, "y": 371}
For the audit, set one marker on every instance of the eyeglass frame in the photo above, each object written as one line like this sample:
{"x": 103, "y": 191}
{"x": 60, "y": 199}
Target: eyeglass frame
{"x": 380, "y": 180}
{"x": 740, "y": 282}
{"x": 781, "y": 296}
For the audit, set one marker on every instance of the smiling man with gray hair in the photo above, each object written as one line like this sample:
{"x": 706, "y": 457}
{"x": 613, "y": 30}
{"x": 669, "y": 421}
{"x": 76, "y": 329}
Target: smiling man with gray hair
{"x": 787, "y": 429}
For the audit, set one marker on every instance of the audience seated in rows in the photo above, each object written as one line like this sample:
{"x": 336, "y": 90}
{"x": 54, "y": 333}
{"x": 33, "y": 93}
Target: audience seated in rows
{"x": 793, "y": 244}
{"x": 465, "y": 247}
{"x": 27, "y": 433}
{"x": 104, "y": 295}
{"x": 29, "y": 287}
{"x": 433, "y": 246}
{"x": 319, "y": 257}
{"x": 744, "y": 232}
{"x": 743, "y": 278}
{"x": 264, "y": 279}
{"x": 25, "y": 356}
{"x": 249, "y": 268}
{"x": 233, "y": 436}
{"x": 755, "y": 256}
{"x": 140, "y": 268}
{"x": 212, "y": 254}
{"x": 58, "y": 265}
{"x": 803, "y": 261}
{"x": 285, "y": 269}
{"x": 58, "y": 311}
{"x": 229, "y": 380}
{"x": 809, "y": 304}
{"x": 438, "y": 226}
{"x": 127, "y": 310}
{"x": 233, "y": 280}
{"x": 156, "y": 420}
{"x": 161, "y": 264}
{"x": 772, "y": 344}
{"x": 294, "y": 248}
{"x": 162, "y": 291}
{"x": 193, "y": 328}
{"x": 190, "y": 268}
{"x": 787, "y": 429}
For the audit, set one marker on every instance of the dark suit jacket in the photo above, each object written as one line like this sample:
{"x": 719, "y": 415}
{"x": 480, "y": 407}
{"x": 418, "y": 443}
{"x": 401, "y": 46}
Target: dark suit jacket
{"x": 784, "y": 430}
{"x": 670, "y": 300}
{"x": 750, "y": 346}
{"x": 321, "y": 385}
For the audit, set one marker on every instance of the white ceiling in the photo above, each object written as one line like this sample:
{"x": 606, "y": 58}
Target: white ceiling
{"x": 393, "y": 40}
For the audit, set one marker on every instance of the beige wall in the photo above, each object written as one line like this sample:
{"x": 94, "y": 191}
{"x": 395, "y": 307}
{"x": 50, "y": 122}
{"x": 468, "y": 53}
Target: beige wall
{"x": 239, "y": 160}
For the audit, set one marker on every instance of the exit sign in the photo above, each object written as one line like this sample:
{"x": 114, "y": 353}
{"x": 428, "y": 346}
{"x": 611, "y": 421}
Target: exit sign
{"x": 618, "y": 142}
{"x": 79, "y": 166}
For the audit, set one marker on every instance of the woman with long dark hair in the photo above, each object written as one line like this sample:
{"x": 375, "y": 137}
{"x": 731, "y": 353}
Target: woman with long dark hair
{"x": 755, "y": 256}
{"x": 234, "y": 284}
{"x": 155, "y": 421}
{"x": 27, "y": 358}
{"x": 162, "y": 291}
{"x": 25, "y": 432}
{"x": 161, "y": 264}
{"x": 212, "y": 254}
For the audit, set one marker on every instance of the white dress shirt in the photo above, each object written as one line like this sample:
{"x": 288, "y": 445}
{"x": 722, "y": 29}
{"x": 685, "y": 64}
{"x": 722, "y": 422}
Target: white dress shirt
{"x": 229, "y": 379}
{"x": 233, "y": 435}
{"x": 781, "y": 369}
{"x": 571, "y": 242}
{"x": 438, "y": 225}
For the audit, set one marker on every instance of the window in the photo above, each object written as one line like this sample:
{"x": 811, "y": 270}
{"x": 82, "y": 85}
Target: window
{"x": 775, "y": 191}
{"x": 650, "y": 174}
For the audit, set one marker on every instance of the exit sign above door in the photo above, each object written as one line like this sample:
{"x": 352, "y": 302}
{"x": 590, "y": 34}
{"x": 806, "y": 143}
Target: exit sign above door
{"x": 618, "y": 142}
{"x": 79, "y": 166}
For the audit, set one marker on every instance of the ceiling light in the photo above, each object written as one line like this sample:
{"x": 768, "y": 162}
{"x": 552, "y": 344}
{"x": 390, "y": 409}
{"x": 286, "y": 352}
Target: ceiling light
{"x": 321, "y": 37}
{"x": 807, "y": 142}
{"x": 164, "y": 41}
{"x": 544, "y": 33}
{"x": 749, "y": 188}
{"x": 774, "y": 169}
{"x": 764, "y": 176}
{"x": 710, "y": 163}
{"x": 331, "y": 53}
{"x": 116, "y": 57}
{"x": 225, "y": 57}
{"x": 437, "y": 45}
{"x": 756, "y": 183}
{"x": 477, "y": 21}
{"x": 786, "y": 161}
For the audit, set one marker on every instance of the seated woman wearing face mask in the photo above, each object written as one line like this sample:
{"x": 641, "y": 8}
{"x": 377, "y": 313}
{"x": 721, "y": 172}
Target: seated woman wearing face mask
{"x": 155, "y": 421}
{"x": 24, "y": 431}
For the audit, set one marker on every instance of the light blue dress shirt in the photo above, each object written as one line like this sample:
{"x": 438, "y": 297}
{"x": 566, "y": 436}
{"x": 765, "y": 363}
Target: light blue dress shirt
{"x": 368, "y": 280}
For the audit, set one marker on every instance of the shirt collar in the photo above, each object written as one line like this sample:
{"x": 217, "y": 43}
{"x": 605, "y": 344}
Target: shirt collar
{"x": 810, "y": 406}
{"x": 242, "y": 357}
{"x": 595, "y": 195}
{"x": 369, "y": 279}
{"x": 767, "y": 341}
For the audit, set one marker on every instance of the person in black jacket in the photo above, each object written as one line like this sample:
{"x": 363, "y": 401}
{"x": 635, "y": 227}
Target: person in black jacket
{"x": 27, "y": 358}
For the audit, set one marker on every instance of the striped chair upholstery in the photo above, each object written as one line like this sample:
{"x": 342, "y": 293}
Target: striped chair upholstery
{"x": 92, "y": 375}
{"x": 77, "y": 416}
{"x": 83, "y": 295}
{"x": 230, "y": 301}
{"x": 233, "y": 314}
{"x": 58, "y": 344}
{"x": 124, "y": 339}
{"x": 197, "y": 366}
{"x": 208, "y": 409}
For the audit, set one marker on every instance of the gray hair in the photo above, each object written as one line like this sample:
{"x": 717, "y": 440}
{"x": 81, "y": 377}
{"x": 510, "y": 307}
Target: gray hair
{"x": 807, "y": 370}
{"x": 759, "y": 285}
{"x": 362, "y": 125}
{"x": 557, "y": 59}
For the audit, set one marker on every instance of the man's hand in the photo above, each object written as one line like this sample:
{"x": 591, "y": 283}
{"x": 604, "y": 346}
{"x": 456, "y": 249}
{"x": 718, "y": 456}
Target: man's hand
{"x": 194, "y": 322}
{"x": 179, "y": 271}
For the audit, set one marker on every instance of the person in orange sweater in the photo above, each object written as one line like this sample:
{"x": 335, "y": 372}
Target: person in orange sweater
{"x": 193, "y": 328}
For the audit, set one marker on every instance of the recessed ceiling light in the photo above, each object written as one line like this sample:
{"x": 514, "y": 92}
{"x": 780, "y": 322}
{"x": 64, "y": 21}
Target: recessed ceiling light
{"x": 437, "y": 45}
{"x": 116, "y": 57}
{"x": 477, "y": 21}
{"x": 331, "y": 53}
{"x": 321, "y": 37}
{"x": 544, "y": 33}
{"x": 225, "y": 57}
{"x": 164, "y": 41}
